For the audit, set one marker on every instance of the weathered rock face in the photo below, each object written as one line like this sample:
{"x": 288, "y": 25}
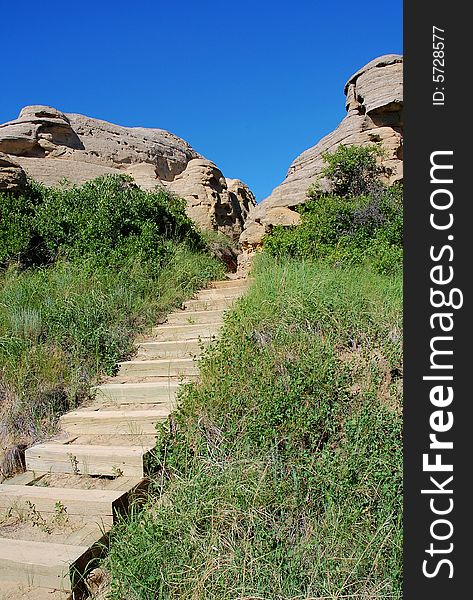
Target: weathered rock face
{"x": 374, "y": 100}
{"x": 211, "y": 198}
{"x": 243, "y": 195}
{"x": 51, "y": 145}
{"x": 12, "y": 176}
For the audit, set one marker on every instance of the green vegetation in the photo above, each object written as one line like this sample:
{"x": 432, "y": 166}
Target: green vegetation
{"x": 84, "y": 269}
{"x": 108, "y": 219}
{"x": 346, "y": 230}
{"x": 280, "y": 476}
{"x": 353, "y": 170}
{"x": 359, "y": 220}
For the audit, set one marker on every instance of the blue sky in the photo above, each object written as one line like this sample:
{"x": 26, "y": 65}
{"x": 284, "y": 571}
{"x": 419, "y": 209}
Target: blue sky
{"x": 249, "y": 84}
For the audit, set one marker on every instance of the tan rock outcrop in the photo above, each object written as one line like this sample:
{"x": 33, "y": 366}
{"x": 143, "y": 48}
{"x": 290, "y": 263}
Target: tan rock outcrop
{"x": 243, "y": 194}
{"x": 51, "y": 145}
{"x": 12, "y": 176}
{"x": 374, "y": 100}
{"x": 209, "y": 198}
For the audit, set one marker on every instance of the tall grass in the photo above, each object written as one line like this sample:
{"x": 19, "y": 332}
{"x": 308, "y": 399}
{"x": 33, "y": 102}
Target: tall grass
{"x": 62, "y": 326}
{"x": 96, "y": 265}
{"x": 280, "y": 476}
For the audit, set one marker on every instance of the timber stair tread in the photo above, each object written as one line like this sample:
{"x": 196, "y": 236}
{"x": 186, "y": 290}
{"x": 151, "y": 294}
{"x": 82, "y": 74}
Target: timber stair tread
{"x": 78, "y": 501}
{"x": 229, "y": 283}
{"x": 88, "y": 459}
{"x": 197, "y": 317}
{"x": 182, "y": 349}
{"x": 12, "y": 590}
{"x": 71, "y": 508}
{"x": 190, "y": 328}
{"x": 114, "y": 421}
{"x": 40, "y": 553}
{"x": 171, "y": 332}
{"x": 158, "y": 367}
{"x": 102, "y": 505}
{"x": 123, "y": 414}
{"x": 42, "y": 564}
{"x": 133, "y": 393}
{"x": 160, "y": 361}
{"x": 216, "y": 293}
{"x": 208, "y": 305}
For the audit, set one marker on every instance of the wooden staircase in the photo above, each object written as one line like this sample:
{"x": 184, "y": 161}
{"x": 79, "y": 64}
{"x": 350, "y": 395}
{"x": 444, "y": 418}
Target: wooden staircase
{"x": 55, "y": 517}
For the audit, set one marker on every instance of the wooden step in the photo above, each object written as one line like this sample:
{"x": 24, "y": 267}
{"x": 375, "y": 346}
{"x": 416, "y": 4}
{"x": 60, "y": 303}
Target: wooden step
{"x": 220, "y": 304}
{"x": 42, "y": 564}
{"x": 188, "y": 317}
{"x": 182, "y": 349}
{"x": 137, "y": 393}
{"x": 26, "y": 478}
{"x": 108, "y": 422}
{"x": 87, "y": 459}
{"x": 135, "y": 487}
{"x": 230, "y": 283}
{"x": 97, "y": 504}
{"x": 209, "y": 294}
{"x": 174, "y": 333}
{"x": 156, "y": 368}
{"x": 13, "y": 590}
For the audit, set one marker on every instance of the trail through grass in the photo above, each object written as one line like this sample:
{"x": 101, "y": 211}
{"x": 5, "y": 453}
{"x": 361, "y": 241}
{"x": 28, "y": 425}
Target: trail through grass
{"x": 82, "y": 271}
{"x": 280, "y": 477}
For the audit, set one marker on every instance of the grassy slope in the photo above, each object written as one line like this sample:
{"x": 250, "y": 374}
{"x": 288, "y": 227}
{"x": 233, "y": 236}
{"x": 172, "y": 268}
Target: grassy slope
{"x": 109, "y": 260}
{"x": 61, "y": 326}
{"x": 280, "y": 477}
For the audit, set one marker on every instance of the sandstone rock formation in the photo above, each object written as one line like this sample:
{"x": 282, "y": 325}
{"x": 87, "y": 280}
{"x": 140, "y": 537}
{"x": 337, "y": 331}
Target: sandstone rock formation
{"x": 243, "y": 194}
{"x": 51, "y": 145}
{"x": 12, "y": 176}
{"x": 374, "y": 100}
{"x": 211, "y": 198}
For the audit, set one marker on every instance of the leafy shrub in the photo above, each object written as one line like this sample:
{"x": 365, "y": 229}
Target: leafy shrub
{"x": 108, "y": 219}
{"x": 353, "y": 170}
{"x": 349, "y": 230}
{"x": 17, "y": 237}
{"x": 344, "y": 226}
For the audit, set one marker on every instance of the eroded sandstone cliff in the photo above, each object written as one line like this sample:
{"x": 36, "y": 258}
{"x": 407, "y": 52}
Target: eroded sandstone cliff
{"x": 51, "y": 145}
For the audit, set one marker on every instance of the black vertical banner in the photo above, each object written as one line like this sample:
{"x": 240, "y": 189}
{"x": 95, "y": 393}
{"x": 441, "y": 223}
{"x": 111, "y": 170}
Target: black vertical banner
{"x": 438, "y": 438}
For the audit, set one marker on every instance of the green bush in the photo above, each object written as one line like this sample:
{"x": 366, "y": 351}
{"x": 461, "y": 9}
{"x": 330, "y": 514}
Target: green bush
{"x": 353, "y": 170}
{"x": 108, "y": 219}
{"x": 360, "y": 221}
{"x": 17, "y": 236}
{"x": 348, "y": 230}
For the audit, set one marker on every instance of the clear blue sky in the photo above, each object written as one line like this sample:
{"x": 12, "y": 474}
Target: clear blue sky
{"x": 249, "y": 84}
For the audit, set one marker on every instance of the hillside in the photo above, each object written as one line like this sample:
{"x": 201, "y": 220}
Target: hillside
{"x": 170, "y": 431}
{"x": 83, "y": 270}
{"x": 279, "y": 476}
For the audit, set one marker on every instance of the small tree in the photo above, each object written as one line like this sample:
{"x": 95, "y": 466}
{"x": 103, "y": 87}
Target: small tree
{"x": 354, "y": 170}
